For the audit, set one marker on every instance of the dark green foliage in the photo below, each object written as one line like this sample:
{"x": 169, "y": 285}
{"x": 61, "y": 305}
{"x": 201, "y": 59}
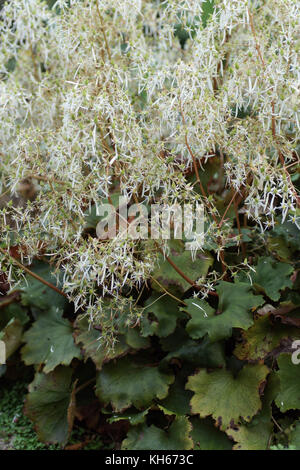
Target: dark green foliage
{"x": 171, "y": 382}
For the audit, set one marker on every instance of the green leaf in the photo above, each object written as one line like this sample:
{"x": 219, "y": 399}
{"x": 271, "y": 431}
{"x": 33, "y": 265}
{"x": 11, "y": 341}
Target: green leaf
{"x": 170, "y": 279}
{"x": 227, "y": 398}
{"x": 49, "y": 403}
{"x": 36, "y": 294}
{"x": 234, "y": 311}
{"x": 207, "y": 437}
{"x": 165, "y": 312}
{"x": 126, "y": 383}
{"x": 178, "y": 400}
{"x": 262, "y": 338}
{"x": 289, "y": 232}
{"x": 201, "y": 313}
{"x": 256, "y": 435}
{"x": 49, "y": 341}
{"x": 252, "y": 437}
{"x": 288, "y": 397}
{"x": 174, "y": 341}
{"x": 134, "y": 339}
{"x": 13, "y": 310}
{"x": 198, "y": 353}
{"x": 177, "y": 437}
{"x": 279, "y": 246}
{"x": 88, "y": 337}
{"x": 272, "y": 276}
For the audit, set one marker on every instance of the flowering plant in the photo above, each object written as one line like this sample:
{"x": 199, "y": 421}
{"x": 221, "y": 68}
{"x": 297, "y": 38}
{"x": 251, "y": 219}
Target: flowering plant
{"x": 160, "y": 102}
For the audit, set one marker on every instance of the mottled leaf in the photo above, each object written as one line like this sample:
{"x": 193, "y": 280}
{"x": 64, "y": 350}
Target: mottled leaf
{"x": 262, "y": 338}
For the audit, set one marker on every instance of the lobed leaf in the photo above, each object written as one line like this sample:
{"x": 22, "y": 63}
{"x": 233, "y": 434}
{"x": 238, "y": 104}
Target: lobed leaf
{"x": 226, "y": 398}
{"x": 234, "y": 311}
{"x": 272, "y": 276}
{"x": 50, "y": 341}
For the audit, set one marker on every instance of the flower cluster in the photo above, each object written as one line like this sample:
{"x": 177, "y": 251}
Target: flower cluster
{"x": 139, "y": 98}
